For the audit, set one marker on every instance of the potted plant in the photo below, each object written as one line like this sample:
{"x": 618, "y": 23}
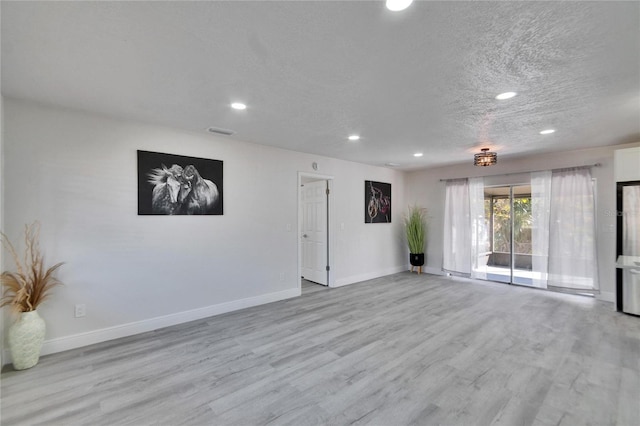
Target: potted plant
{"x": 24, "y": 290}
{"x": 416, "y": 229}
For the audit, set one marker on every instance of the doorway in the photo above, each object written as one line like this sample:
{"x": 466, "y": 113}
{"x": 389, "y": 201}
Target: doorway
{"x": 314, "y": 228}
{"x": 507, "y": 255}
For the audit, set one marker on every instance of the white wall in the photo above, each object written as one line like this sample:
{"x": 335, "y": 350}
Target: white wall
{"x": 425, "y": 188}
{"x": 76, "y": 173}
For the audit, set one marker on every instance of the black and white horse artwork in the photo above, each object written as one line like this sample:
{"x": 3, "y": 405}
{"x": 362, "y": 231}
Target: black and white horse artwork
{"x": 201, "y": 194}
{"x": 178, "y": 190}
{"x": 167, "y": 186}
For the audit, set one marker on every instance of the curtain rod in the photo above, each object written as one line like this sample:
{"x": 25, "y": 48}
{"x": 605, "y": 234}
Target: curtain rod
{"x": 588, "y": 166}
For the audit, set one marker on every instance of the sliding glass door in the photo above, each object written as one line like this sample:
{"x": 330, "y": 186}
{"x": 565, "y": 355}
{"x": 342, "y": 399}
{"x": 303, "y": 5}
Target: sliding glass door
{"x": 540, "y": 234}
{"x": 508, "y": 219}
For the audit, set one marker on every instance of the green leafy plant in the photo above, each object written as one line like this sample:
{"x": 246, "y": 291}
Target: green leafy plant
{"x": 31, "y": 284}
{"x": 415, "y": 225}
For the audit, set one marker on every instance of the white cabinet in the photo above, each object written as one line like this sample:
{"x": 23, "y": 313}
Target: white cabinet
{"x": 627, "y": 164}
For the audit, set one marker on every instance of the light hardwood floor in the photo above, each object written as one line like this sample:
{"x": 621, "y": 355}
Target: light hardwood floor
{"x": 403, "y": 349}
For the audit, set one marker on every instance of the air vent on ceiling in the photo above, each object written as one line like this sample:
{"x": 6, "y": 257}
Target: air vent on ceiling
{"x": 220, "y": 131}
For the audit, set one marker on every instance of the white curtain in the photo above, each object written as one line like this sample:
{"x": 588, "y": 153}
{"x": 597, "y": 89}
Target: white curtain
{"x": 478, "y": 226}
{"x": 540, "y": 209}
{"x": 572, "y": 236}
{"x": 457, "y": 232}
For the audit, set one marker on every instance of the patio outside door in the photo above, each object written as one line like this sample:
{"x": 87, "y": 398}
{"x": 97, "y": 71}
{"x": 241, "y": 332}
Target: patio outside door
{"x": 507, "y": 257}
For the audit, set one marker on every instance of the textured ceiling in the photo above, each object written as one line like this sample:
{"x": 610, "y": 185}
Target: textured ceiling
{"x": 314, "y": 72}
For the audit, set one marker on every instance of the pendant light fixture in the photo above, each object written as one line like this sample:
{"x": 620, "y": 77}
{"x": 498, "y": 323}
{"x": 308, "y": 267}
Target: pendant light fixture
{"x": 485, "y": 158}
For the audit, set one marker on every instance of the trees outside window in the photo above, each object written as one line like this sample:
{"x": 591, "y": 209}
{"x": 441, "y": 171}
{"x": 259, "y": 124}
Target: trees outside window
{"x": 501, "y": 217}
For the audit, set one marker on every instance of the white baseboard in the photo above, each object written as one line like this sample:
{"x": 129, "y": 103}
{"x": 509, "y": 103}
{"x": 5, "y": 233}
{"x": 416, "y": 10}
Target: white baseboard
{"x": 427, "y": 270}
{"x": 606, "y": 296}
{"x": 368, "y": 276}
{"x": 102, "y": 335}
{"x": 432, "y": 270}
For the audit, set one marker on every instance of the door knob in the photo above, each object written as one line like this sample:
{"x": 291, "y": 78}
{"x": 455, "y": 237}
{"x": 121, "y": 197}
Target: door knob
{"x": 304, "y": 235}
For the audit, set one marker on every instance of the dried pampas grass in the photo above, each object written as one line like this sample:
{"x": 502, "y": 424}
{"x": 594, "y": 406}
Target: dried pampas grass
{"x": 31, "y": 284}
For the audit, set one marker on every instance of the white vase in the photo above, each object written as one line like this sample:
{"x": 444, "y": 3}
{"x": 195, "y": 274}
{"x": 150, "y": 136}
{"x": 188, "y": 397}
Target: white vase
{"x": 26, "y": 336}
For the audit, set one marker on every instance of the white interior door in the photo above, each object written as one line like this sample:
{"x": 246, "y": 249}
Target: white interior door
{"x": 314, "y": 231}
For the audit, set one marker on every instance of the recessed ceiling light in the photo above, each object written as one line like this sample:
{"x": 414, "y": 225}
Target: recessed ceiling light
{"x": 547, "y": 132}
{"x": 238, "y": 105}
{"x": 354, "y": 138}
{"x": 418, "y": 154}
{"x": 398, "y": 5}
{"x": 506, "y": 95}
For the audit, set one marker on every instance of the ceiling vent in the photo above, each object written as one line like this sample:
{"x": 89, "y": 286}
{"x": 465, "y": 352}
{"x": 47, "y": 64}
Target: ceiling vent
{"x": 220, "y": 131}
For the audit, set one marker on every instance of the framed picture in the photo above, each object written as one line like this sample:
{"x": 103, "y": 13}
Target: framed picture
{"x": 177, "y": 185}
{"x": 377, "y": 202}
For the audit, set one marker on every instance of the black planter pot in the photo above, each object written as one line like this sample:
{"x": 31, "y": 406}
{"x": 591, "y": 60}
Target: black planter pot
{"x": 416, "y": 259}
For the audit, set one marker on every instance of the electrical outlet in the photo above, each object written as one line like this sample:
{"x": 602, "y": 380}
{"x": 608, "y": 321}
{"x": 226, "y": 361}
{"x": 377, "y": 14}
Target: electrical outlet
{"x": 81, "y": 310}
